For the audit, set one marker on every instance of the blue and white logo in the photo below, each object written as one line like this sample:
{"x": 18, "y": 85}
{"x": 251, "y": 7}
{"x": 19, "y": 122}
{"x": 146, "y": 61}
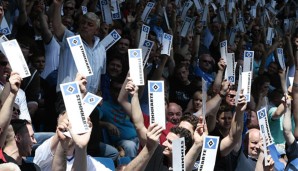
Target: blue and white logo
{"x": 5, "y": 31}
{"x": 146, "y": 29}
{"x": 155, "y": 87}
{"x": 223, "y": 44}
{"x": 75, "y": 41}
{"x": 115, "y": 35}
{"x": 147, "y": 43}
{"x": 210, "y": 143}
{"x": 150, "y": 4}
{"x": 103, "y": 2}
{"x": 261, "y": 113}
{"x": 70, "y": 89}
{"x": 231, "y": 78}
{"x": 168, "y": 37}
{"x": 90, "y": 99}
{"x": 248, "y": 54}
{"x": 135, "y": 53}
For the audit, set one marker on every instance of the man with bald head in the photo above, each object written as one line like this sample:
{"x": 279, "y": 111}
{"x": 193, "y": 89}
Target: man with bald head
{"x": 174, "y": 113}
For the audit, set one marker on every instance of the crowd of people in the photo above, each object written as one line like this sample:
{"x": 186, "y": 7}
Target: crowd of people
{"x": 34, "y": 119}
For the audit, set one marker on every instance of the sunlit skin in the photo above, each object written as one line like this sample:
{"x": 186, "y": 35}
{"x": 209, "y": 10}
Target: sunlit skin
{"x": 25, "y": 141}
{"x": 168, "y": 144}
{"x": 114, "y": 68}
{"x": 197, "y": 101}
{"x": 174, "y": 113}
{"x": 253, "y": 144}
{"x": 230, "y": 98}
{"x": 123, "y": 45}
{"x": 224, "y": 121}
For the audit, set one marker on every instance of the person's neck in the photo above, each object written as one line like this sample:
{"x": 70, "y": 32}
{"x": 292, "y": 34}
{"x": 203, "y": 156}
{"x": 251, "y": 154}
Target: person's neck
{"x": 89, "y": 41}
{"x": 224, "y": 132}
{"x": 187, "y": 82}
{"x": 13, "y": 152}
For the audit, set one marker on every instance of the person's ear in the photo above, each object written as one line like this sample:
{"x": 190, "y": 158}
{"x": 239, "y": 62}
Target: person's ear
{"x": 17, "y": 138}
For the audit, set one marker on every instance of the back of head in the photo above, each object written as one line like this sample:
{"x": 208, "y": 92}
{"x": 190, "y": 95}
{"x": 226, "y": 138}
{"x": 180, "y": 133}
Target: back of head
{"x": 182, "y": 132}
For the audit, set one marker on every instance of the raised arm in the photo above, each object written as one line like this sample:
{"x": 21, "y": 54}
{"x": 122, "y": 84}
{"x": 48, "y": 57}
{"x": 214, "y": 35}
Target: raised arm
{"x": 59, "y": 161}
{"x": 287, "y": 124}
{"x": 136, "y": 112}
{"x": 58, "y": 27}
{"x": 81, "y": 142}
{"x": 45, "y": 31}
{"x": 6, "y": 110}
{"x": 140, "y": 162}
{"x": 229, "y": 142}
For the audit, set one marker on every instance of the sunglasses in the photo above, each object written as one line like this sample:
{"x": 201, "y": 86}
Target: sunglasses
{"x": 3, "y": 63}
{"x": 16, "y": 110}
{"x": 231, "y": 95}
{"x": 68, "y": 8}
{"x": 208, "y": 62}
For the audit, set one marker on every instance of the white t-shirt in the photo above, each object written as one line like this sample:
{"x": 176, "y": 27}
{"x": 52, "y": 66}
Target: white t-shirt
{"x": 44, "y": 157}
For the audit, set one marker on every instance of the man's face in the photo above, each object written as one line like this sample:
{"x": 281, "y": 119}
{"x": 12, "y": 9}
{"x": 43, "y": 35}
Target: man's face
{"x": 182, "y": 74}
{"x": 115, "y": 68}
{"x": 174, "y": 114}
{"x": 273, "y": 69}
{"x": 68, "y": 9}
{"x": 26, "y": 141}
{"x": 230, "y": 98}
{"x": 197, "y": 101}
{"x": 168, "y": 144}
{"x": 39, "y": 63}
{"x": 123, "y": 45}
{"x": 15, "y": 111}
{"x": 206, "y": 63}
{"x": 252, "y": 119}
{"x": 224, "y": 120}
{"x": 88, "y": 28}
{"x": 188, "y": 126}
{"x": 253, "y": 144}
{"x": 5, "y": 68}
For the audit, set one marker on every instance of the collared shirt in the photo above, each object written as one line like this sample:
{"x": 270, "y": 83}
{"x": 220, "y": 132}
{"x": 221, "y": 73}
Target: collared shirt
{"x": 67, "y": 68}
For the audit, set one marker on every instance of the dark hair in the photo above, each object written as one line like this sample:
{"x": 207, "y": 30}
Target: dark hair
{"x": 18, "y": 125}
{"x": 182, "y": 132}
{"x": 192, "y": 119}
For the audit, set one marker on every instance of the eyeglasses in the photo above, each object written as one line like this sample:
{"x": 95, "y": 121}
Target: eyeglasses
{"x": 3, "y": 63}
{"x": 231, "y": 95}
{"x": 17, "y": 110}
{"x": 68, "y": 8}
{"x": 208, "y": 62}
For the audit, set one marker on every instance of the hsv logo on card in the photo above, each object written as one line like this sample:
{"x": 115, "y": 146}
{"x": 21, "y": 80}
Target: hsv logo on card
{"x": 75, "y": 41}
{"x": 210, "y": 143}
{"x": 155, "y": 87}
{"x": 70, "y": 89}
{"x": 115, "y": 35}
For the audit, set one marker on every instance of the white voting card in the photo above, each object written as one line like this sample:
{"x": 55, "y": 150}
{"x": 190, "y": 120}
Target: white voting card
{"x": 144, "y": 34}
{"x": 136, "y": 66}
{"x": 281, "y": 60}
{"x": 239, "y": 86}
{"x": 230, "y": 69}
{"x": 166, "y": 17}
{"x": 106, "y": 11}
{"x": 185, "y": 8}
{"x": 146, "y": 49}
{"x": 84, "y": 10}
{"x": 222, "y": 3}
{"x": 199, "y": 6}
{"x": 110, "y": 39}
{"x": 185, "y": 26}
{"x": 167, "y": 40}
{"x": 205, "y": 14}
{"x": 178, "y": 154}
{"x": 231, "y": 6}
{"x": 286, "y": 25}
{"x": 208, "y": 154}
{"x": 156, "y": 100}
{"x": 248, "y": 60}
{"x": 147, "y": 10}
{"x": 223, "y": 50}
{"x": 241, "y": 25}
{"x": 222, "y": 14}
{"x": 79, "y": 55}
{"x": 116, "y": 13}
{"x": 246, "y": 84}
{"x": 4, "y": 28}
{"x": 269, "y": 36}
{"x": 232, "y": 36}
{"x": 204, "y": 97}
{"x": 90, "y": 101}
{"x": 74, "y": 107}
{"x": 264, "y": 126}
{"x": 16, "y": 58}
{"x": 3, "y": 38}
{"x": 253, "y": 11}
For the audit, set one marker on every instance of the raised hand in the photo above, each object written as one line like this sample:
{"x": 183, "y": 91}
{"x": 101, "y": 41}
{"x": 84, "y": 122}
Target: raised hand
{"x": 200, "y": 132}
{"x": 81, "y": 79}
{"x": 113, "y": 130}
{"x": 242, "y": 103}
{"x": 15, "y": 82}
{"x": 61, "y": 128}
{"x": 130, "y": 87}
{"x": 221, "y": 64}
{"x": 81, "y": 140}
{"x": 153, "y": 134}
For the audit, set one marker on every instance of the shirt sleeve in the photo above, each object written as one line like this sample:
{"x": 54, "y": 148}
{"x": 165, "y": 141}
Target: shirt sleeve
{"x": 43, "y": 155}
